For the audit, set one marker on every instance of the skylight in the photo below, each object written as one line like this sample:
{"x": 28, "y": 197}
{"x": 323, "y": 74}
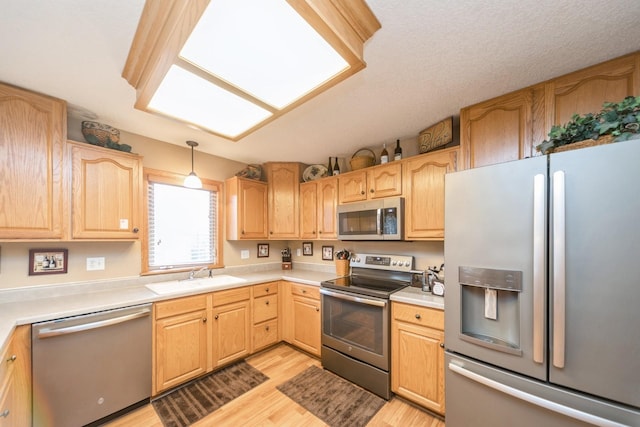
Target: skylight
{"x": 238, "y": 64}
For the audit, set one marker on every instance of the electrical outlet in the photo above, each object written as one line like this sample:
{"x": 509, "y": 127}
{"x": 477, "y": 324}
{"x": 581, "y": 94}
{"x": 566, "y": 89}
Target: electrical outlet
{"x": 298, "y": 252}
{"x": 96, "y": 263}
{"x": 244, "y": 254}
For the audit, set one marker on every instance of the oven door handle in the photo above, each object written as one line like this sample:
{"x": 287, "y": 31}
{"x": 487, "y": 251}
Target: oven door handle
{"x": 339, "y": 295}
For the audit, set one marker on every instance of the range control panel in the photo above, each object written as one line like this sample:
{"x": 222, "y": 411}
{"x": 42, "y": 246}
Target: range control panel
{"x": 382, "y": 262}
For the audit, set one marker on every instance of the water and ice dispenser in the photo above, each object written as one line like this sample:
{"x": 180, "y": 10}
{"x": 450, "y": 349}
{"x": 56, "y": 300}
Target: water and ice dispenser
{"x": 490, "y": 308}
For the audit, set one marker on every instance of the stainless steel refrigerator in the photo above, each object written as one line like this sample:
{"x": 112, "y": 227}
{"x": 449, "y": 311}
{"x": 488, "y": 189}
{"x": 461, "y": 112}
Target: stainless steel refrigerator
{"x": 542, "y": 303}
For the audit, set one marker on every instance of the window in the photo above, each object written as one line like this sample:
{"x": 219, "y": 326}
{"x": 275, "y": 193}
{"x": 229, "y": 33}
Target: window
{"x": 182, "y": 224}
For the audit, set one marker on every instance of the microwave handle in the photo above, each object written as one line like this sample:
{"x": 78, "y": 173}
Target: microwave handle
{"x": 379, "y": 221}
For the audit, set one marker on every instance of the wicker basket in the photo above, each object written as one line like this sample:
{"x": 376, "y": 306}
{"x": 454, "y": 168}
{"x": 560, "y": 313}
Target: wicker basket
{"x": 360, "y": 162}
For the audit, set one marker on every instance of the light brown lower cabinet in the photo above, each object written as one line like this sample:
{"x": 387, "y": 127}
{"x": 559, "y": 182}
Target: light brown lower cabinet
{"x": 417, "y": 355}
{"x": 15, "y": 380}
{"x": 231, "y": 330}
{"x": 301, "y": 316}
{"x": 180, "y": 341}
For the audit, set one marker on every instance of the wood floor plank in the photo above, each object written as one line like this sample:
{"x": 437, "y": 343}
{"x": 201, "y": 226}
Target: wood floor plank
{"x": 265, "y": 406}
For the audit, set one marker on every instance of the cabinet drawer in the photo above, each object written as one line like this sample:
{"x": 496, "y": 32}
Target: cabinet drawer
{"x": 265, "y": 308}
{"x": 305, "y": 291}
{"x": 7, "y": 402}
{"x": 265, "y": 289}
{"x": 231, "y": 295}
{"x": 180, "y": 305}
{"x": 265, "y": 334}
{"x": 417, "y": 315}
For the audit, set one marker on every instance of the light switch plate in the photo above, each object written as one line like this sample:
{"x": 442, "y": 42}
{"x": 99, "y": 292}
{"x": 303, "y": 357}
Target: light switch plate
{"x": 96, "y": 263}
{"x": 244, "y": 254}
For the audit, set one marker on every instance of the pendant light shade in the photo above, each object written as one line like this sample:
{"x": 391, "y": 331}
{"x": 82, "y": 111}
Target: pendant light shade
{"x": 192, "y": 180}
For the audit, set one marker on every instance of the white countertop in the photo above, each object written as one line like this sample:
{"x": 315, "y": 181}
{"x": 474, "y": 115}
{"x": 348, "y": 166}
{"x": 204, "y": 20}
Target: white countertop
{"x": 31, "y": 305}
{"x": 25, "y": 306}
{"x": 417, "y": 297}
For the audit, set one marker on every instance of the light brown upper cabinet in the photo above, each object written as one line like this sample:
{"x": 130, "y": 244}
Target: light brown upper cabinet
{"x": 372, "y": 183}
{"x": 106, "y": 193}
{"x": 509, "y": 127}
{"x": 424, "y": 193}
{"x": 246, "y": 209}
{"x": 283, "y": 180}
{"x": 497, "y": 130}
{"x": 33, "y": 192}
{"x": 318, "y": 206}
{"x": 586, "y": 90}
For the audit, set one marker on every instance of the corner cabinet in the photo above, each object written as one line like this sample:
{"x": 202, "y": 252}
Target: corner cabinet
{"x": 423, "y": 178}
{"x": 417, "y": 355}
{"x": 318, "y": 209}
{"x": 283, "y": 180}
{"x": 246, "y": 209}
{"x": 106, "y": 192}
{"x": 32, "y": 161}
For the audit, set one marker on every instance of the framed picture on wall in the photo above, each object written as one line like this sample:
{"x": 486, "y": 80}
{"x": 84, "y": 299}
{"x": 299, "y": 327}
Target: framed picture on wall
{"x": 327, "y": 253}
{"x": 263, "y": 250}
{"x": 307, "y": 248}
{"x": 47, "y": 261}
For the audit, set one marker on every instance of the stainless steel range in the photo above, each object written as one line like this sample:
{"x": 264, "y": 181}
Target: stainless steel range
{"x": 356, "y": 319}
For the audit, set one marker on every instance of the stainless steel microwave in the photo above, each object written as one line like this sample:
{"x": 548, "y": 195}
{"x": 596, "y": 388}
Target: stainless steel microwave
{"x": 372, "y": 220}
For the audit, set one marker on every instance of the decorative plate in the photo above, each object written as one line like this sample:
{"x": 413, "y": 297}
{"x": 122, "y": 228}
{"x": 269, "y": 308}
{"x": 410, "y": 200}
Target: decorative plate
{"x": 314, "y": 172}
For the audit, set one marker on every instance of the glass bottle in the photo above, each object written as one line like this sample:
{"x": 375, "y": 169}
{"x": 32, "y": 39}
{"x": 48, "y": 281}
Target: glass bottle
{"x": 397, "y": 154}
{"x": 384, "y": 156}
{"x": 330, "y": 168}
{"x": 336, "y": 168}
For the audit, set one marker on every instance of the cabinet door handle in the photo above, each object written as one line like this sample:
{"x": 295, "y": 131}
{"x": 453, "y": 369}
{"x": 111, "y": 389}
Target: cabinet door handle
{"x": 204, "y": 320}
{"x": 441, "y": 345}
{"x": 362, "y": 192}
{"x": 304, "y": 291}
{"x": 136, "y": 229}
{"x": 216, "y": 317}
{"x": 242, "y": 232}
{"x": 372, "y": 191}
{"x": 267, "y": 302}
{"x": 418, "y": 316}
{"x": 266, "y": 329}
{"x": 317, "y": 309}
{"x": 12, "y": 358}
{"x": 267, "y": 290}
{"x": 5, "y": 413}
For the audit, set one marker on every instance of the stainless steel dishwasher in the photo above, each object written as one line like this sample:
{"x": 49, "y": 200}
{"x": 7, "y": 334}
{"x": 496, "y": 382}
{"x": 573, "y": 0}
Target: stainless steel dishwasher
{"x": 88, "y": 367}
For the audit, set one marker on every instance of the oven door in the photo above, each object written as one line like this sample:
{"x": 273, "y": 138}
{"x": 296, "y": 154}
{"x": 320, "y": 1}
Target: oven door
{"x": 357, "y": 326}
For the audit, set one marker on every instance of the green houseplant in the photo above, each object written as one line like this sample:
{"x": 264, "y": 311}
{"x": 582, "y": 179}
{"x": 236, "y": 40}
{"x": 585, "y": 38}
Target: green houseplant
{"x": 621, "y": 120}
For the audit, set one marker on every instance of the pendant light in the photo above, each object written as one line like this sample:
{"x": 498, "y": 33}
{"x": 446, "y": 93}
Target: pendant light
{"x": 192, "y": 180}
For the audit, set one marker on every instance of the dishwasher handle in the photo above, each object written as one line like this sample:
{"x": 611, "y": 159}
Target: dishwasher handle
{"x": 52, "y": 332}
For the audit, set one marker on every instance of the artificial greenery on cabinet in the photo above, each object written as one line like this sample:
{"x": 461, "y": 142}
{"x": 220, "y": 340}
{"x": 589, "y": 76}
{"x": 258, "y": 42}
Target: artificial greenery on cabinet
{"x": 620, "y": 120}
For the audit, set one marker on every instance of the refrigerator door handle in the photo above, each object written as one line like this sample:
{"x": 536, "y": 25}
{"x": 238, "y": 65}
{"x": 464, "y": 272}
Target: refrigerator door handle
{"x": 558, "y": 269}
{"x": 539, "y": 232}
{"x": 533, "y": 399}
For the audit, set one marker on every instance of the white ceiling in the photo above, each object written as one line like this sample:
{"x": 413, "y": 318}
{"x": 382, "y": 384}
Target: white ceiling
{"x": 430, "y": 58}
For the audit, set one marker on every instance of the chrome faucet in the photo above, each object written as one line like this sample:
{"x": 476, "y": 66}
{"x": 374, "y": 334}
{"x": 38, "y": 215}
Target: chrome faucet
{"x": 192, "y": 273}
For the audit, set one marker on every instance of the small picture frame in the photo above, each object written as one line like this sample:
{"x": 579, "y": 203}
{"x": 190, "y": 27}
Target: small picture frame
{"x": 307, "y": 248}
{"x": 47, "y": 261}
{"x": 263, "y": 250}
{"x": 327, "y": 253}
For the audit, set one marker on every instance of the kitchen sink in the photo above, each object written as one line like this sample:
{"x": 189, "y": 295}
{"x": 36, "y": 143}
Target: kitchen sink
{"x": 208, "y": 283}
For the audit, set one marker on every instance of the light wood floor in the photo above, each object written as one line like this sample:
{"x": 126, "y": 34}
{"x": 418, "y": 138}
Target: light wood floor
{"x": 264, "y": 405}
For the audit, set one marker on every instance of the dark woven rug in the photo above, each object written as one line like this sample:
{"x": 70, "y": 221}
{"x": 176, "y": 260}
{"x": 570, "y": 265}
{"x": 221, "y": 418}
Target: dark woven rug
{"x": 331, "y": 398}
{"x": 195, "y": 400}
